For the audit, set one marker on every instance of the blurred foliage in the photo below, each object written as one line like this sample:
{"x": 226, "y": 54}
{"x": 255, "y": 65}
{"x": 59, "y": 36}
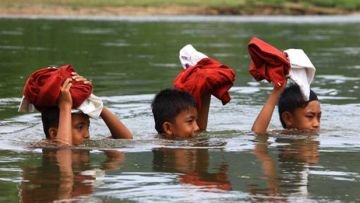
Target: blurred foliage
{"x": 344, "y": 4}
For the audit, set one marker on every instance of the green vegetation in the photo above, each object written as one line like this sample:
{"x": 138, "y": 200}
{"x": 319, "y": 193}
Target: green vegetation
{"x": 141, "y": 3}
{"x": 219, "y": 6}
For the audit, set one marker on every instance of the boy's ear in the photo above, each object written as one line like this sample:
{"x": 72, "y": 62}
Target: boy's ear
{"x": 52, "y": 133}
{"x": 168, "y": 129}
{"x": 288, "y": 119}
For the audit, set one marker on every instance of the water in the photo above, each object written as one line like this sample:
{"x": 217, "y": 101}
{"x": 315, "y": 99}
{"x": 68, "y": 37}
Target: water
{"x": 131, "y": 59}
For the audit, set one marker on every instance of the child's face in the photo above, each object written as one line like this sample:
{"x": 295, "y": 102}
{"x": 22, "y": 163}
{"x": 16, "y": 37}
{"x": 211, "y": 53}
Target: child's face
{"x": 185, "y": 125}
{"x": 80, "y": 124}
{"x": 305, "y": 118}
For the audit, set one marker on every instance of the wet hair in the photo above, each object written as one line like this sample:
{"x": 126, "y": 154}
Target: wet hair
{"x": 50, "y": 119}
{"x": 292, "y": 99}
{"x": 167, "y": 104}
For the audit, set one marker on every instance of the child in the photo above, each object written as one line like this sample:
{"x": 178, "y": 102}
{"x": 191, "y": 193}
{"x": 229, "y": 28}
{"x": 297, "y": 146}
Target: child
{"x": 294, "y": 111}
{"x": 57, "y": 93}
{"x": 299, "y": 107}
{"x": 182, "y": 112}
{"x": 175, "y": 114}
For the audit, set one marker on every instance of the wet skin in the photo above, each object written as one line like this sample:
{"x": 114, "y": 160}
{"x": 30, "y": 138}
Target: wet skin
{"x": 185, "y": 125}
{"x": 80, "y": 124}
{"x": 307, "y": 117}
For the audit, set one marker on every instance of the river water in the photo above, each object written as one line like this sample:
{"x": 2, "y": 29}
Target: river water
{"x": 129, "y": 59}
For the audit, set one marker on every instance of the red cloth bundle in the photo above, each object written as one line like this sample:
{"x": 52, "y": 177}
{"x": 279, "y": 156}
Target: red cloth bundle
{"x": 42, "y": 88}
{"x": 267, "y": 62}
{"x": 208, "y": 75}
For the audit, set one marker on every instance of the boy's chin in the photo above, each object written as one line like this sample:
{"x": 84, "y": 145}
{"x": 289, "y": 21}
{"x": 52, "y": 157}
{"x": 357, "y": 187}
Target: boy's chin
{"x": 295, "y": 131}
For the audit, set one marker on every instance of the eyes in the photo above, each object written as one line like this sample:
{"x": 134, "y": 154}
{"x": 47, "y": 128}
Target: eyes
{"x": 190, "y": 120}
{"x": 82, "y": 126}
{"x": 310, "y": 116}
{"x": 313, "y": 115}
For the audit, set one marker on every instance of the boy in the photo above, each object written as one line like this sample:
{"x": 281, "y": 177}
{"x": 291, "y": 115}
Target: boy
{"x": 299, "y": 107}
{"x": 62, "y": 123}
{"x": 175, "y": 114}
{"x": 294, "y": 111}
{"x": 182, "y": 112}
{"x": 64, "y": 127}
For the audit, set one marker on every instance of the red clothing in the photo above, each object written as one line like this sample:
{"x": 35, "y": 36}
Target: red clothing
{"x": 42, "y": 88}
{"x": 208, "y": 75}
{"x": 267, "y": 62}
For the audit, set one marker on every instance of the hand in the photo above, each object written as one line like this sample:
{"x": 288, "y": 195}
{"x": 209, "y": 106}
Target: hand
{"x": 79, "y": 78}
{"x": 279, "y": 89}
{"x": 65, "y": 100}
{"x": 262, "y": 121}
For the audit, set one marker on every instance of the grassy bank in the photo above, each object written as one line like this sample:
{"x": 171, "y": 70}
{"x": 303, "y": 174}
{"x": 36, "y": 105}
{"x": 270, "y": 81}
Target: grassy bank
{"x": 212, "y": 7}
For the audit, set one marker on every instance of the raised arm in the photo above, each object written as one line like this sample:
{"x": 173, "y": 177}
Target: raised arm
{"x": 262, "y": 121}
{"x": 117, "y": 128}
{"x": 204, "y": 112}
{"x": 64, "y": 134}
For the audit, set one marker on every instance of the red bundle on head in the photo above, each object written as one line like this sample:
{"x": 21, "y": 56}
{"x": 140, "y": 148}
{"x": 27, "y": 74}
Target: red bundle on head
{"x": 267, "y": 62}
{"x": 208, "y": 75}
{"x": 42, "y": 88}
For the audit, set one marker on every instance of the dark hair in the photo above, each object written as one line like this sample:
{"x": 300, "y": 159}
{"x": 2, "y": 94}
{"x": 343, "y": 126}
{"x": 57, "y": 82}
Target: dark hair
{"x": 167, "y": 104}
{"x": 50, "y": 119}
{"x": 292, "y": 99}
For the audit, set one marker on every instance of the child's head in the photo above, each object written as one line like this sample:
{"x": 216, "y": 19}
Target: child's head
{"x": 79, "y": 125}
{"x": 295, "y": 112}
{"x": 175, "y": 114}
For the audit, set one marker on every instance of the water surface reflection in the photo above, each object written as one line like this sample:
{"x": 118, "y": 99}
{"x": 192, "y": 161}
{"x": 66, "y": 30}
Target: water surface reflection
{"x": 287, "y": 174}
{"x": 64, "y": 175}
{"x": 193, "y": 166}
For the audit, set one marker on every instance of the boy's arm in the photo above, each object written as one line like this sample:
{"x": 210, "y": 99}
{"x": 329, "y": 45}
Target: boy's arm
{"x": 204, "y": 111}
{"x": 116, "y": 127}
{"x": 63, "y": 135}
{"x": 263, "y": 119}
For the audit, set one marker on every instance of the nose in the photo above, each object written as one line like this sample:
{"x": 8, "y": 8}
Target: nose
{"x": 86, "y": 136}
{"x": 196, "y": 128}
{"x": 316, "y": 124}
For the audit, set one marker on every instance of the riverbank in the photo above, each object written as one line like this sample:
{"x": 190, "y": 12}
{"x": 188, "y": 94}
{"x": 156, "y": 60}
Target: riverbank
{"x": 153, "y": 7}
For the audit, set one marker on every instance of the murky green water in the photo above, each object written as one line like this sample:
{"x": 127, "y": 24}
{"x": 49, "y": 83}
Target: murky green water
{"x": 129, "y": 61}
